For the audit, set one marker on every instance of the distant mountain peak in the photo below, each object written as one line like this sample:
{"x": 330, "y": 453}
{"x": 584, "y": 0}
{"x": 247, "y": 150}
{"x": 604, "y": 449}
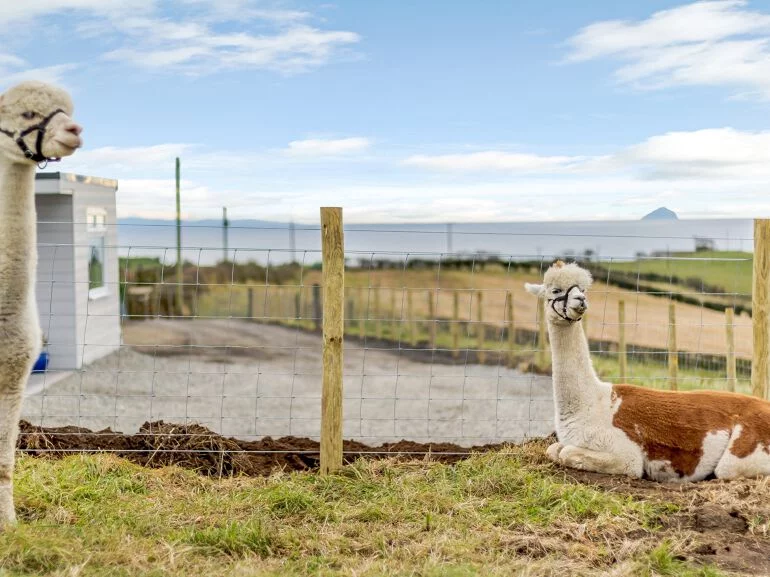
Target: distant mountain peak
{"x": 661, "y": 213}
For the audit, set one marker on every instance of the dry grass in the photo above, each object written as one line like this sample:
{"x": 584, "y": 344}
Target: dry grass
{"x": 500, "y": 513}
{"x": 699, "y": 329}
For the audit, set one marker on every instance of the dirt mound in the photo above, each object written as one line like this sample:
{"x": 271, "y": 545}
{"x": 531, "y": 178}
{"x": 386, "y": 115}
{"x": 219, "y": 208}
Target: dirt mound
{"x": 158, "y": 444}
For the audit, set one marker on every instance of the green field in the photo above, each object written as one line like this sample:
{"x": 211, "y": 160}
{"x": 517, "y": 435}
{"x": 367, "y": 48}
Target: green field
{"x": 730, "y": 270}
{"x": 506, "y": 512}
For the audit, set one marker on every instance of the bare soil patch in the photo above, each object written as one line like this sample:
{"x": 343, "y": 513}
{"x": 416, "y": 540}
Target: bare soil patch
{"x": 725, "y": 522}
{"x": 195, "y": 447}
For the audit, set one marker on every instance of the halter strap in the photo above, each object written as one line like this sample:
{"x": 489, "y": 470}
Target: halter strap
{"x": 36, "y": 155}
{"x": 565, "y": 298}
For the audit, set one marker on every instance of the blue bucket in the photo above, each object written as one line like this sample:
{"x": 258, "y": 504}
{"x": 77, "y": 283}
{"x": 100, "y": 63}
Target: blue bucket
{"x": 41, "y": 364}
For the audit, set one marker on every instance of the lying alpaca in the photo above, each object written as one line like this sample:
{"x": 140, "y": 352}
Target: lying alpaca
{"x": 35, "y": 128}
{"x": 635, "y": 431}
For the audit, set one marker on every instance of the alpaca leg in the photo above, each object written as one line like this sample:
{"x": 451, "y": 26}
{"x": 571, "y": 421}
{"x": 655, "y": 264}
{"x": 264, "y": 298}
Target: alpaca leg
{"x": 755, "y": 464}
{"x": 10, "y": 408}
{"x": 598, "y": 461}
{"x": 552, "y": 452}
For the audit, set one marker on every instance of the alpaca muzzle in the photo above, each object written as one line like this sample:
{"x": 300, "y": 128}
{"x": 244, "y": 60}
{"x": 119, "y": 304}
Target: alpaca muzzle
{"x": 565, "y": 300}
{"x": 37, "y": 155}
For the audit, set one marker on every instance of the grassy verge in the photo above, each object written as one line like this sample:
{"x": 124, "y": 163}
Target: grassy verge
{"x": 731, "y": 270}
{"x": 499, "y": 513}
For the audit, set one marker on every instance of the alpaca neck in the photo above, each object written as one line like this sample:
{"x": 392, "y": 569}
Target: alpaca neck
{"x": 18, "y": 248}
{"x": 574, "y": 379}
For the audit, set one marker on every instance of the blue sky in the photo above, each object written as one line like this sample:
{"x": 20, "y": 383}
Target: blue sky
{"x": 411, "y": 111}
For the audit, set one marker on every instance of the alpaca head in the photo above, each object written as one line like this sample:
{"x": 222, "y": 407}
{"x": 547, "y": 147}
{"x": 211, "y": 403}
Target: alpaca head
{"x": 36, "y": 123}
{"x": 564, "y": 291}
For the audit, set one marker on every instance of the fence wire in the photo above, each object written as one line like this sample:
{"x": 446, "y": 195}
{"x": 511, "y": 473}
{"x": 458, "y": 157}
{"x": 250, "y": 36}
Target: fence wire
{"x": 440, "y": 347}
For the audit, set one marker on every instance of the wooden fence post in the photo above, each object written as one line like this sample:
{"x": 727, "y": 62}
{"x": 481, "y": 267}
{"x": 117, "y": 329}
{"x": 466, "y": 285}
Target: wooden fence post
{"x": 673, "y": 354}
{"x": 511, "y": 328}
{"x": 481, "y": 354}
{"x": 541, "y": 359}
{"x": 431, "y": 320}
{"x": 730, "y": 360}
{"x": 760, "y": 310}
{"x": 250, "y": 305}
{"x": 333, "y": 254}
{"x": 622, "y": 360}
{"x": 455, "y": 324}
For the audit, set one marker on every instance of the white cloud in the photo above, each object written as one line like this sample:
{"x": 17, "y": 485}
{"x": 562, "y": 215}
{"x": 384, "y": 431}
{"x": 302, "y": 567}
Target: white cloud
{"x": 709, "y": 43}
{"x": 683, "y": 170}
{"x": 56, "y": 75}
{"x": 115, "y": 159}
{"x": 716, "y": 152}
{"x": 198, "y": 49}
{"x": 12, "y": 13}
{"x": 196, "y": 37}
{"x": 493, "y": 160}
{"x": 325, "y": 147}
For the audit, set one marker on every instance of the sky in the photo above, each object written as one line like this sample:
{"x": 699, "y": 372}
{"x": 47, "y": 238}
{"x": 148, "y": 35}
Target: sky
{"x": 399, "y": 111}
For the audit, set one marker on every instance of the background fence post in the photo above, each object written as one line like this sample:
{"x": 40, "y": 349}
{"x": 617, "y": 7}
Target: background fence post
{"x": 333, "y": 254}
{"x": 541, "y": 359}
{"x": 376, "y": 313}
{"x": 481, "y": 354}
{"x": 317, "y": 310}
{"x": 622, "y": 360}
{"x": 410, "y": 319}
{"x": 760, "y": 309}
{"x": 673, "y": 354}
{"x": 730, "y": 334}
{"x": 350, "y": 313}
{"x": 250, "y": 305}
{"x": 431, "y": 320}
{"x": 455, "y": 324}
{"x": 363, "y": 312}
{"x": 393, "y": 321}
{"x": 511, "y": 328}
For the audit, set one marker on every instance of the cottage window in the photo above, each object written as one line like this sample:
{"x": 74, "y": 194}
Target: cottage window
{"x": 96, "y": 225}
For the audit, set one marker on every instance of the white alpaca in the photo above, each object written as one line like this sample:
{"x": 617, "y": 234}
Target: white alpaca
{"x": 635, "y": 431}
{"x": 35, "y": 127}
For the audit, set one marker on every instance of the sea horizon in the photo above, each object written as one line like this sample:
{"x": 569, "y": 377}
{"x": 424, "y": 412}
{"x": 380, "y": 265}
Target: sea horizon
{"x": 275, "y": 241}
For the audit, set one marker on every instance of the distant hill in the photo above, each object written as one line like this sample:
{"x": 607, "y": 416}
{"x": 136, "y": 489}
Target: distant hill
{"x": 661, "y": 213}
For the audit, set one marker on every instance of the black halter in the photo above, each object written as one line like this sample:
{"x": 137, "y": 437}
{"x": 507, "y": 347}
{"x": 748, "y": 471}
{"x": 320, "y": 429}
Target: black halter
{"x": 36, "y": 156}
{"x": 565, "y": 298}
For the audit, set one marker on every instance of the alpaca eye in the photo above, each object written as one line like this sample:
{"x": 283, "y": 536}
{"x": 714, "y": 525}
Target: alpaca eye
{"x": 29, "y": 115}
{"x": 556, "y": 291}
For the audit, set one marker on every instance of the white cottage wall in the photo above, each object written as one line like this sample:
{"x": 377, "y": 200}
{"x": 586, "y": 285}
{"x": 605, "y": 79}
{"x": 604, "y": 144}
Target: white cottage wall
{"x": 98, "y": 316}
{"x": 55, "y": 289}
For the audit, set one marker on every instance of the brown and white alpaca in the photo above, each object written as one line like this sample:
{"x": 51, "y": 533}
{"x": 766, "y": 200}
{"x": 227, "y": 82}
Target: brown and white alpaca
{"x": 635, "y": 431}
{"x": 35, "y": 127}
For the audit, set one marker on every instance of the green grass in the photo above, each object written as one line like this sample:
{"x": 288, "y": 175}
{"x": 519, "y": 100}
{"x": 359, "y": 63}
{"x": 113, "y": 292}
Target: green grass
{"x": 730, "y": 270}
{"x": 494, "y": 514}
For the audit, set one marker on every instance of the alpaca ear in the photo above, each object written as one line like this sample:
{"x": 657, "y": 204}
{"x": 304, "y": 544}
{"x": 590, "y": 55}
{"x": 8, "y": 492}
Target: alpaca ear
{"x": 535, "y": 289}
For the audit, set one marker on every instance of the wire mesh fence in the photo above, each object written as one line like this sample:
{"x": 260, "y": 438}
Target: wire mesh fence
{"x": 440, "y": 347}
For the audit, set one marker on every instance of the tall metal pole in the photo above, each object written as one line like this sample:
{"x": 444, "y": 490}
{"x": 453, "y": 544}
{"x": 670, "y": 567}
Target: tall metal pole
{"x": 179, "y": 275}
{"x": 225, "y": 225}
{"x": 449, "y": 238}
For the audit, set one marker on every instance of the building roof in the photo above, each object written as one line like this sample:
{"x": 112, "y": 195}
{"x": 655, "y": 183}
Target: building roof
{"x": 68, "y": 177}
